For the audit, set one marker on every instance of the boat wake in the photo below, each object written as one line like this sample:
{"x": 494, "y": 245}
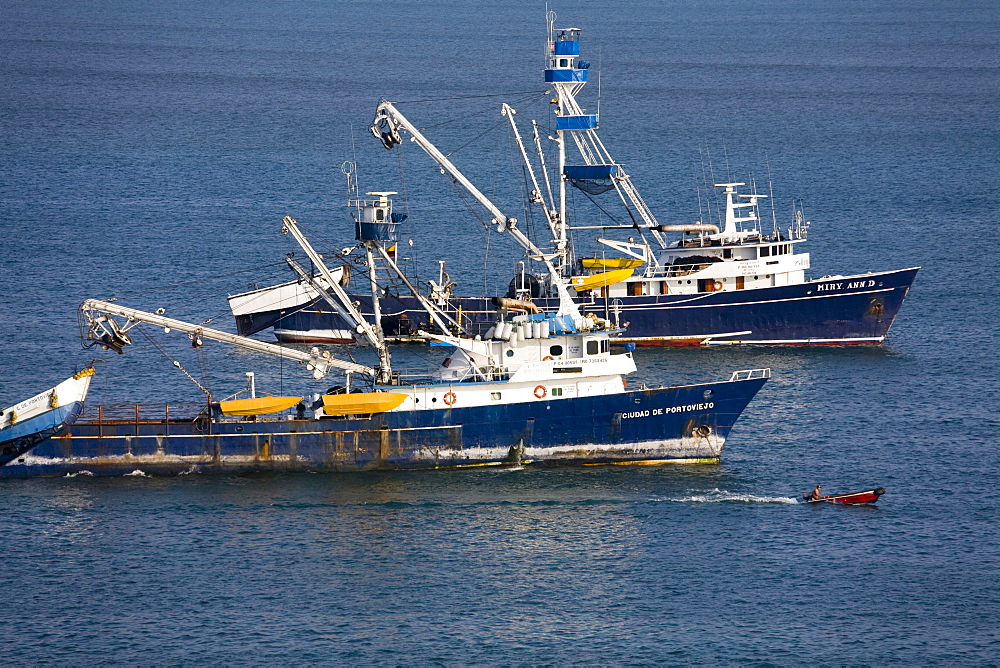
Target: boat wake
{"x": 84, "y": 473}
{"x": 138, "y": 473}
{"x": 723, "y": 496}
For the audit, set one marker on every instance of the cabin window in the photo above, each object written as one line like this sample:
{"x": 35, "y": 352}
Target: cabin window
{"x": 727, "y": 253}
{"x": 379, "y": 214}
{"x": 765, "y": 251}
{"x": 556, "y": 391}
{"x": 635, "y": 289}
{"x": 564, "y": 62}
{"x": 495, "y": 396}
{"x": 555, "y": 351}
{"x": 740, "y": 282}
{"x": 605, "y": 345}
{"x": 591, "y": 347}
{"x": 663, "y": 288}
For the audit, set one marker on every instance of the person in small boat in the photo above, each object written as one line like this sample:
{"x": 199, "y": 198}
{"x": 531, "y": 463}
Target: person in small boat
{"x": 816, "y": 495}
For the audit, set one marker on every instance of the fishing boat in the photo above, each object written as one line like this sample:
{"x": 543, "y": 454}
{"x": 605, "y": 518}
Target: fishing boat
{"x": 47, "y": 414}
{"x": 539, "y": 388}
{"x": 867, "y": 496}
{"x": 729, "y": 277}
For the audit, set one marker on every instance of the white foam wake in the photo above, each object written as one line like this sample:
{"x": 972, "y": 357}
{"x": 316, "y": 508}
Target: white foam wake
{"x": 723, "y": 496}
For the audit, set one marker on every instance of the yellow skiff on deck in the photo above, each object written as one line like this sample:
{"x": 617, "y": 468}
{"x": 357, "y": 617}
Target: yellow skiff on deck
{"x": 584, "y": 283}
{"x": 361, "y": 403}
{"x": 258, "y": 406}
{"x": 610, "y": 262}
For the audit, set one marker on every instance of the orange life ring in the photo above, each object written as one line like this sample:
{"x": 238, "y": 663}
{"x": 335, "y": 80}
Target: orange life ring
{"x": 717, "y": 286}
{"x": 547, "y": 358}
{"x": 540, "y": 392}
{"x": 450, "y": 398}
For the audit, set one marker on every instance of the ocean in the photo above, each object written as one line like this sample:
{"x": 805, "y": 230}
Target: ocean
{"x": 149, "y": 152}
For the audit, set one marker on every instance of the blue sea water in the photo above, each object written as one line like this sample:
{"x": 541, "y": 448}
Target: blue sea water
{"x": 147, "y": 145}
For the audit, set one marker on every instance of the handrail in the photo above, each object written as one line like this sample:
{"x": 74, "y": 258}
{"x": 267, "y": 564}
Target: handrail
{"x": 748, "y": 374}
{"x": 140, "y": 413}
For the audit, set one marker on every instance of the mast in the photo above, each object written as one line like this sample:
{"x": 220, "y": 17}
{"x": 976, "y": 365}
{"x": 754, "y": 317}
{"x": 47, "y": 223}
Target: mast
{"x": 568, "y": 75}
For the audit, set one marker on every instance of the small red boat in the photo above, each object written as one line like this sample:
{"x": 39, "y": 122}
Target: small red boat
{"x": 867, "y": 496}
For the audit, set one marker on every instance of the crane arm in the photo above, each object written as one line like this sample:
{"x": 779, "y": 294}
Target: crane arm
{"x": 386, "y": 125}
{"x": 108, "y": 332}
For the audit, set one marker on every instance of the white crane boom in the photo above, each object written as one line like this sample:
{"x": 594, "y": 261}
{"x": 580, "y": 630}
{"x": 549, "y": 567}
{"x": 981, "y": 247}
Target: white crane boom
{"x": 108, "y": 332}
{"x": 386, "y": 126}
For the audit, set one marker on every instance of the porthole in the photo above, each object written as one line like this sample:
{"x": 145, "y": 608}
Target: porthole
{"x": 510, "y": 353}
{"x": 708, "y": 394}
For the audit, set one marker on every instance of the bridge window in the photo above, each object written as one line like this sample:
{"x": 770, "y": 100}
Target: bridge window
{"x": 591, "y": 347}
{"x": 555, "y": 351}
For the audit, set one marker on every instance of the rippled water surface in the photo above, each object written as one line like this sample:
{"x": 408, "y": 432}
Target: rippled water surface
{"x": 149, "y": 150}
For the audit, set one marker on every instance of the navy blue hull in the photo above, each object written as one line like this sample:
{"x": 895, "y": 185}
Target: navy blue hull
{"x": 686, "y": 424}
{"x": 845, "y": 310}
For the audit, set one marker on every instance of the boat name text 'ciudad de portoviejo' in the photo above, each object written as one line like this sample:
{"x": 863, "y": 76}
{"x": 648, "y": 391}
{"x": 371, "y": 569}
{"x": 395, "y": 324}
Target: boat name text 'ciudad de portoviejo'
{"x": 669, "y": 409}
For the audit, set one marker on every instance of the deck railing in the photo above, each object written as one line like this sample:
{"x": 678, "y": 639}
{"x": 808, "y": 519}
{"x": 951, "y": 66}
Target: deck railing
{"x": 141, "y": 413}
{"x": 750, "y": 373}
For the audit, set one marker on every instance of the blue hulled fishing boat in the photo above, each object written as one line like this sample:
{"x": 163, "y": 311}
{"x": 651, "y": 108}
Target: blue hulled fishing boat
{"x": 727, "y": 278}
{"x": 538, "y": 388}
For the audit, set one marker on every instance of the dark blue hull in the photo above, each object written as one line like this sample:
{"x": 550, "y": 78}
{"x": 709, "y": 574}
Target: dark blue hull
{"x": 682, "y": 424}
{"x": 845, "y": 310}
